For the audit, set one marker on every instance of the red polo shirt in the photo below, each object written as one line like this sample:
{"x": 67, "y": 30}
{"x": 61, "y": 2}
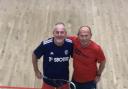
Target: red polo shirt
{"x": 85, "y": 60}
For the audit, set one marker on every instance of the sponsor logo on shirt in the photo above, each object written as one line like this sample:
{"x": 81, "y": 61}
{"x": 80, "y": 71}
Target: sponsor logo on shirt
{"x": 58, "y": 59}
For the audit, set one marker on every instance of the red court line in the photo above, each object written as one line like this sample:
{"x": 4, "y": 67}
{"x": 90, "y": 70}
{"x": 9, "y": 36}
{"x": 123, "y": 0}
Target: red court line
{"x": 13, "y": 87}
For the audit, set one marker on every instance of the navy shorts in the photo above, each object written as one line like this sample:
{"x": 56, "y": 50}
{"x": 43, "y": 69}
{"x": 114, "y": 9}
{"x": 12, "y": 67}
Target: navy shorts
{"x": 87, "y": 85}
{"x": 54, "y": 83}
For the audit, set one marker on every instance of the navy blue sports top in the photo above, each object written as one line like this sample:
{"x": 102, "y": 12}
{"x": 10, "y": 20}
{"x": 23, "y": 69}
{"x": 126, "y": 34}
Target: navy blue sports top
{"x": 55, "y": 58}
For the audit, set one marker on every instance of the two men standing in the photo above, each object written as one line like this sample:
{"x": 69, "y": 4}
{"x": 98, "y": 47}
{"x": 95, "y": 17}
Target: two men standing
{"x": 56, "y": 53}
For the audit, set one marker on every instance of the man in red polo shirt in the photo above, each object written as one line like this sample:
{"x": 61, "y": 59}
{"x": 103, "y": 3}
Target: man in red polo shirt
{"x": 86, "y": 55}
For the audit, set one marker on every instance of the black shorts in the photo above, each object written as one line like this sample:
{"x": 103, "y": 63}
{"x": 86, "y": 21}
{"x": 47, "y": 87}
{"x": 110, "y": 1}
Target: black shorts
{"x": 54, "y": 83}
{"x": 87, "y": 85}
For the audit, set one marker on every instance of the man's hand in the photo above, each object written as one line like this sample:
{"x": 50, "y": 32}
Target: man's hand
{"x": 97, "y": 79}
{"x": 38, "y": 74}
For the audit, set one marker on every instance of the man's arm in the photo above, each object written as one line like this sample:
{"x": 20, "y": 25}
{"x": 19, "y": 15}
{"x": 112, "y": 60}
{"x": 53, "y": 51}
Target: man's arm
{"x": 35, "y": 66}
{"x": 100, "y": 70}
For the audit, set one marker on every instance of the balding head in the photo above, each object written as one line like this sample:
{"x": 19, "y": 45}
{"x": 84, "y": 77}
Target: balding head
{"x": 84, "y": 29}
{"x": 84, "y": 35}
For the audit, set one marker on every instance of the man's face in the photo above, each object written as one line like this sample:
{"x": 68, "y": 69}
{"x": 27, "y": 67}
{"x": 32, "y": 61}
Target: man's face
{"x": 59, "y": 33}
{"x": 84, "y": 35}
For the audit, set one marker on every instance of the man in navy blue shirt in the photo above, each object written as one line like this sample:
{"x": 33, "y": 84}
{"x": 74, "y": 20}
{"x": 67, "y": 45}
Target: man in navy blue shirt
{"x": 56, "y": 52}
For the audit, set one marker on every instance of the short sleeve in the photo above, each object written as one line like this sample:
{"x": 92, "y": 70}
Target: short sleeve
{"x": 100, "y": 55}
{"x": 39, "y": 51}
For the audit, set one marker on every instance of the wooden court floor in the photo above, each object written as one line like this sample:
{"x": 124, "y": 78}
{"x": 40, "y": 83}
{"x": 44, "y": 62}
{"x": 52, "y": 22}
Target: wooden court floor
{"x": 25, "y": 23}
